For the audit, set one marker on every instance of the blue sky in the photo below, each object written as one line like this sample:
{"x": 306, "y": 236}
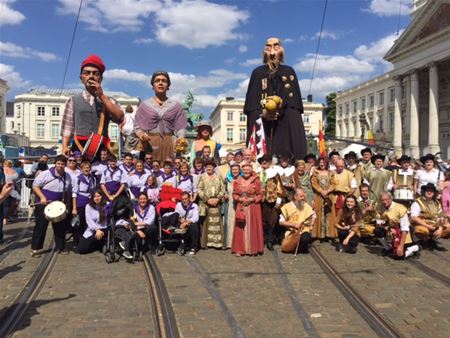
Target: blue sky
{"x": 209, "y": 47}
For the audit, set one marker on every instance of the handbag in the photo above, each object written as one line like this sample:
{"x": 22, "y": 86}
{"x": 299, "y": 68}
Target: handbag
{"x": 240, "y": 214}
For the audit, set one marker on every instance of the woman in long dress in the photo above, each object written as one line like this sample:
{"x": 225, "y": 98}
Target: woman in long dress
{"x": 248, "y": 236}
{"x": 230, "y": 205}
{"x": 211, "y": 190}
{"x": 323, "y": 184}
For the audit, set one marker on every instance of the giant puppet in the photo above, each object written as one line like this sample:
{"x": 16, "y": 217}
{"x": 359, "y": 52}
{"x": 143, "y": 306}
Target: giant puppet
{"x": 273, "y": 94}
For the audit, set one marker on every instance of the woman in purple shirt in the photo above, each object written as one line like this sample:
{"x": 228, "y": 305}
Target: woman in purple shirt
{"x": 97, "y": 220}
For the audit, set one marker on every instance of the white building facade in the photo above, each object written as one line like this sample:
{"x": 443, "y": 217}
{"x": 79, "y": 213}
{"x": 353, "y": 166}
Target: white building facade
{"x": 3, "y": 91}
{"x": 415, "y": 119}
{"x": 230, "y": 123}
{"x": 38, "y": 115}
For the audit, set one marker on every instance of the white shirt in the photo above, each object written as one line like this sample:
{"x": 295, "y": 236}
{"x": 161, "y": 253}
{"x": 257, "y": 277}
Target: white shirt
{"x": 424, "y": 177}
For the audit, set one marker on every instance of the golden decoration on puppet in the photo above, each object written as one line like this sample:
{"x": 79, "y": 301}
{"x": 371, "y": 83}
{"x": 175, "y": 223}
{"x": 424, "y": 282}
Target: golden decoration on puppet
{"x": 181, "y": 146}
{"x": 271, "y": 107}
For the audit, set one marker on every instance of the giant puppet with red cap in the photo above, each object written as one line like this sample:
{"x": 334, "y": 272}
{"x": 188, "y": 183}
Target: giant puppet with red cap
{"x": 87, "y": 115}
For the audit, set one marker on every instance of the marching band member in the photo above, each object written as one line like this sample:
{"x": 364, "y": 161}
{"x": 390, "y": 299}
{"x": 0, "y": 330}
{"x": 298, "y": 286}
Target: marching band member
{"x": 91, "y": 109}
{"x": 137, "y": 178}
{"x": 428, "y": 219}
{"x": 50, "y": 185}
{"x": 273, "y": 194}
{"x": 377, "y": 177}
{"x": 127, "y": 164}
{"x": 345, "y": 184}
{"x": 185, "y": 181}
{"x": 297, "y": 217}
{"x": 429, "y": 174}
{"x": 188, "y": 214}
{"x": 397, "y": 223}
{"x": 151, "y": 189}
{"x": 368, "y": 207}
{"x": 99, "y": 166}
{"x": 402, "y": 179}
{"x": 114, "y": 180}
{"x": 348, "y": 223}
{"x": 156, "y": 169}
{"x": 83, "y": 188}
{"x": 144, "y": 219}
{"x": 323, "y": 184}
{"x": 96, "y": 218}
{"x": 168, "y": 177}
{"x": 148, "y": 161}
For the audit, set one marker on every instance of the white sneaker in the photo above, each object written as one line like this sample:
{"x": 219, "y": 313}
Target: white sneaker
{"x": 122, "y": 245}
{"x": 127, "y": 255}
{"x": 192, "y": 252}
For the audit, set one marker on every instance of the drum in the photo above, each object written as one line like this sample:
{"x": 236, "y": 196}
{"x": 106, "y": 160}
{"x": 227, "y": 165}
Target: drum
{"x": 92, "y": 146}
{"x": 403, "y": 194}
{"x": 55, "y": 211}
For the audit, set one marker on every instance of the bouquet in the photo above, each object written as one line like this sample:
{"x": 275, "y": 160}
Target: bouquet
{"x": 181, "y": 146}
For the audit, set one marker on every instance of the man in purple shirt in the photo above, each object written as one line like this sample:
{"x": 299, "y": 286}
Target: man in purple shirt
{"x": 188, "y": 216}
{"x": 51, "y": 185}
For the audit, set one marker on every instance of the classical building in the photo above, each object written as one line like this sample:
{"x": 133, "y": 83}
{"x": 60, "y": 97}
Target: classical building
{"x": 415, "y": 114}
{"x": 3, "y": 90}
{"x": 38, "y": 115}
{"x": 230, "y": 123}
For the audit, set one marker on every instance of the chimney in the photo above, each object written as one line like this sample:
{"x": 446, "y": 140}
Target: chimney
{"x": 310, "y": 98}
{"x": 229, "y": 98}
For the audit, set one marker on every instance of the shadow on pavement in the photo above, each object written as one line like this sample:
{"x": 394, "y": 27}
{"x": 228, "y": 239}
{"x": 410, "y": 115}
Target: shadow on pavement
{"x": 10, "y": 269}
{"x": 33, "y": 309}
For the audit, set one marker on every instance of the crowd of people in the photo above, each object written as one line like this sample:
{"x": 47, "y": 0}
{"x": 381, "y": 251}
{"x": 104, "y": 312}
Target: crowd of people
{"x": 244, "y": 204}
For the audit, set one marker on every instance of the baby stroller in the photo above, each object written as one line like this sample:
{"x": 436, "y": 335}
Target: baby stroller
{"x": 168, "y": 230}
{"x": 120, "y": 215}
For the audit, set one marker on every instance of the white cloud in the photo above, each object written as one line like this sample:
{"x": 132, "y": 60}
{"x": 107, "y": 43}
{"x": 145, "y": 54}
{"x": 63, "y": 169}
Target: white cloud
{"x": 337, "y": 64}
{"x": 14, "y": 79}
{"x": 287, "y": 40}
{"x": 9, "y": 16}
{"x": 123, "y": 74}
{"x": 110, "y": 16}
{"x": 143, "y": 41}
{"x": 252, "y": 62}
{"x": 389, "y": 7}
{"x": 324, "y": 85}
{"x": 377, "y": 49}
{"x": 198, "y": 24}
{"x": 12, "y": 50}
{"x": 243, "y": 49}
{"x": 327, "y": 35}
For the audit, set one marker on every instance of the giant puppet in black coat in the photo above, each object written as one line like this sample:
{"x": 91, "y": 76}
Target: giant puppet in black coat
{"x": 286, "y": 134}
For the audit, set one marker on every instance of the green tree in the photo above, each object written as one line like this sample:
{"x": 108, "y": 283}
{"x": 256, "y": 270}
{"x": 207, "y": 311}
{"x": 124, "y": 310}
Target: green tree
{"x": 330, "y": 115}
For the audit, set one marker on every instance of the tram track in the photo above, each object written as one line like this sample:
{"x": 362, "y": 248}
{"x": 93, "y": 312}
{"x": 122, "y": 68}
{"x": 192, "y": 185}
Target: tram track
{"x": 16, "y": 311}
{"x": 14, "y": 242}
{"x": 372, "y": 317}
{"x": 431, "y": 272}
{"x": 163, "y": 315}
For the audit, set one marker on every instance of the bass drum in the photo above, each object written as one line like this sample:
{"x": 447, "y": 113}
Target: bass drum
{"x": 403, "y": 194}
{"x": 55, "y": 211}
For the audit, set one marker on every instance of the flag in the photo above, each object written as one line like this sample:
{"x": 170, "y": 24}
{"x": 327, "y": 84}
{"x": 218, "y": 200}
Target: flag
{"x": 370, "y": 138}
{"x": 322, "y": 149}
{"x": 257, "y": 142}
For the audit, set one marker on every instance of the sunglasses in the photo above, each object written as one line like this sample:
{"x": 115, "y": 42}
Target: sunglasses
{"x": 148, "y": 158}
{"x": 71, "y": 160}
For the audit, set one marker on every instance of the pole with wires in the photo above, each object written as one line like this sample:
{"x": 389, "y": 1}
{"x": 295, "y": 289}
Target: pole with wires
{"x": 319, "y": 38}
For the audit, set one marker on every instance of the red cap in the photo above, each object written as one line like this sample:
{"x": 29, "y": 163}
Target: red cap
{"x": 94, "y": 61}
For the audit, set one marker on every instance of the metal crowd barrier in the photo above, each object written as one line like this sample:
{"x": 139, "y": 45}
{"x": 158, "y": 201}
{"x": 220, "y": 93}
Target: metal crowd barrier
{"x": 25, "y": 207}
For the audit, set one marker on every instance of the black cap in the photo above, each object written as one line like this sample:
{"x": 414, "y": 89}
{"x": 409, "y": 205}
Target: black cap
{"x": 427, "y": 157}
{"x": 376, "y": 157}
{"x": 350, "y": 155}
{"x": 428, "y": 187}
{"x": 366, "y": 150}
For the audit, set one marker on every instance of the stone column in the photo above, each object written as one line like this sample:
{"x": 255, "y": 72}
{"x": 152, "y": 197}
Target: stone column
{"x": 350, "y": 130}
{"x": 397, "y": 127}
{"x": 357, "y": 134}
{"x": 344, "y": 129}
{"x": 338, "y": 129}
{"x": 414, "y": 116}
{"x": 433, "y": 112}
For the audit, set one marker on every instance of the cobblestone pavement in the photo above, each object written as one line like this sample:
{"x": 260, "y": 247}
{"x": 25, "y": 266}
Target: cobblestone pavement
{"x": 414, "y": 302}
{"x": 215, "y": 294}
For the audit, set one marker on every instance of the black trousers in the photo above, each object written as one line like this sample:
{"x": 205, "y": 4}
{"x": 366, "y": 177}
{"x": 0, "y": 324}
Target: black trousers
{"x": 125, "y": 235}
{"x": 192, "y": 236}
{"x": 40, "y": 229}
{"x": 81, "y": 228}
{"x": 353, "y": 242}
{"x": 90, "y": 244}
{"x": 270, "y": 221}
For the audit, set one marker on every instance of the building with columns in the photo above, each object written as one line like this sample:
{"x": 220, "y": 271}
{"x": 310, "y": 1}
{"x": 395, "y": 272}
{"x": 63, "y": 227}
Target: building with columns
{"x": 230, "y": 123}
{"x": 414, "y": 112}
{"x": 38, "y": 115}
